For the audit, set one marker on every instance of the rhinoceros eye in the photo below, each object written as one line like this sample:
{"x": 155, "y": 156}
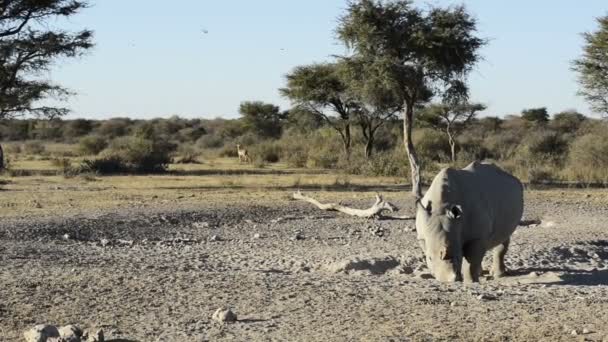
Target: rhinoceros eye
{"x": 455, "y": 212}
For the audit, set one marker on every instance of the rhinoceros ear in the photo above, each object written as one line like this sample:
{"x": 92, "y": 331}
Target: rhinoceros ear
{"x": 428, "y": 208}
{"x": 455, "y": 211}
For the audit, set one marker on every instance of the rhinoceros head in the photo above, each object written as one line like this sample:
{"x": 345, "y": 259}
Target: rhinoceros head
{"x": 439, "y": 235}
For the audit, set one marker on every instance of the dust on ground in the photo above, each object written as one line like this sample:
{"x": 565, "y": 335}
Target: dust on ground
{"x": 294, "y": 273}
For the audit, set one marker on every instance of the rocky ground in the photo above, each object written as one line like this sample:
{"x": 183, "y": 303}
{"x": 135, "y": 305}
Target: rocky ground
{"x": 293, "y": 273}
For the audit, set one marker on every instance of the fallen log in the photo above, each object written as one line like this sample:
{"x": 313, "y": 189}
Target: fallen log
{"x": 375, "y": 210}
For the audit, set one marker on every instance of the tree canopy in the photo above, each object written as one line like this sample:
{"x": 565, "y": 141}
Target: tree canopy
{"x": 264, "y": 119}
{"x": 538, "y": 115}
{"x": 452, "y": 119}
{"x": 413, "y": 53}
{"x": 28, "y": 48}
{"x": 592, "y": 67}
{"x": 319, "y": 89}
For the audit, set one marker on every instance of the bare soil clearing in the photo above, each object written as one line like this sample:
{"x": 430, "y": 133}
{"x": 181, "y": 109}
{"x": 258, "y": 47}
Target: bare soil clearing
{"x": 294, "y": 273}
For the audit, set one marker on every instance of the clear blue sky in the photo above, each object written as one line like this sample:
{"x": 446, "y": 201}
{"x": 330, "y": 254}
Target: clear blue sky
{"x": 153, "y": 59}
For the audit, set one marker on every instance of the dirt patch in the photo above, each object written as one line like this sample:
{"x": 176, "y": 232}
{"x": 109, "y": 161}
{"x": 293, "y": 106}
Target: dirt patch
{"x": 370, "y": 286}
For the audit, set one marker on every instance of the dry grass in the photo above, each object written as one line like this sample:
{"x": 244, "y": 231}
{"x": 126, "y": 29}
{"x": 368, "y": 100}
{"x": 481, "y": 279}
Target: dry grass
{"x": 219, "y": 182}
{"x": 223, "y": 181}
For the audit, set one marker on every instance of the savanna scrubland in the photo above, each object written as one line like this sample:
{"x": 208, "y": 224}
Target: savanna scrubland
{"x": 144, "y": 228}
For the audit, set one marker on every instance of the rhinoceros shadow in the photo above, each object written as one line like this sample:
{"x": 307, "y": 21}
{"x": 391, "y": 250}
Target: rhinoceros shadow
{"x": 567, "y": 276}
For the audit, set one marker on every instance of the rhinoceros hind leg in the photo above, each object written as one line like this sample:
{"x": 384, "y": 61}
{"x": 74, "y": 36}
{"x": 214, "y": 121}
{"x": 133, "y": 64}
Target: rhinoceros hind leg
{"x": 498, "y": 263}
{"x": 471, "y": 265}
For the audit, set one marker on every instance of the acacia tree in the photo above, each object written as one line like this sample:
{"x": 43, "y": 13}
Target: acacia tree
{"x": 375, "y": 103}
{"x": 452, "y": 119}
{"x": 415, "y": 53}
{"x": 537, "y": 115}
{"x": 264, "y": 119}
{"x": 28, "y": 47}
{"x": 319, "y": 89}
{"x": 592, "y": 67}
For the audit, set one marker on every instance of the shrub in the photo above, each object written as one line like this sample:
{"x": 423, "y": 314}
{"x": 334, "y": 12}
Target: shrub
{"x": 133, "y": 154}
{"x": 33, "y": 147}
{"x": 392, "y": 163}
{"x": 502, "y": 145}
{"x": 431, "y": 145}
{"x": 295, "y": 155}
{"x": 104, "y": 165}
{"x": 268, "y": 151}
{"x": 65, "y": 167}
{"x": 324, "y": 149}
{"x": 92, "y": 145}
{"x": 210, "y": 141}
{"x": 228, "y": 151}
{"x": 588, "y": 159}
{"x": 187, "y": 154}
{"x": 12, "y": 148}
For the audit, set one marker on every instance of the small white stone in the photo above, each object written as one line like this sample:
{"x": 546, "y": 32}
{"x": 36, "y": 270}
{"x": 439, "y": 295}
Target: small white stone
{"x": 256, "y": 236}
{"x": 224, "y": 315}
{"x": 70, "y": 333}
{"x": 40, "y": 333}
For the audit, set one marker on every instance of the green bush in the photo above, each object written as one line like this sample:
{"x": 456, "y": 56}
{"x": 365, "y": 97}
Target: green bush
{"x": 104, "y": 165}
{"x": 139, "y": 155}
{"x": 92, "y": 145}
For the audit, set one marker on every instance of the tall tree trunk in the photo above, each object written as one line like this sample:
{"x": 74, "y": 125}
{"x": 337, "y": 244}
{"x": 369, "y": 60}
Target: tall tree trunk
{"x": 452, "y": 143}
{"x": 408, "y": 122}
{"x": 347, "y": 140}
{"x": 369, "y": 147}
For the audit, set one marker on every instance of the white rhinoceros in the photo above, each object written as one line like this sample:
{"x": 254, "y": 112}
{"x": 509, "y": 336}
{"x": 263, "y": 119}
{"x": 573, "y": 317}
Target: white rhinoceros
{"x": 465, "y": 213}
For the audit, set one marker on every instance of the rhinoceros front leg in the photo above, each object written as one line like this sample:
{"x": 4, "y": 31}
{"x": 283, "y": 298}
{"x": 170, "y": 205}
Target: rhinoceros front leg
{"x": 498, "y": 263}
{"x": 473, "y": 256}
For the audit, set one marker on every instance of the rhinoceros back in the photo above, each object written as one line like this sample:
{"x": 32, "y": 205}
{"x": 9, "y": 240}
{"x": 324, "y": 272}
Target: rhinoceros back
{"x": 495, "y": 198}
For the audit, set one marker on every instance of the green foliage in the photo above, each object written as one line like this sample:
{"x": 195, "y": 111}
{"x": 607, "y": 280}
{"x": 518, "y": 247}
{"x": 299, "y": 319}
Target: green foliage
{"x": 263, "y": 119}
{"x": 105, "y": 165}
{"x": 140, "y": 155}
{"x": 92, "y": 145}
{"x": 568, "y": 121}
{"x": 302, "y": 120}
{"x": 77, "y": 128}
{"x": 592, "y": 67}
{"x": 537, "y": 115}
{"x": 321, "y": 90}
{"x": 210, "y": 141}
{"x": 29, "y": 44}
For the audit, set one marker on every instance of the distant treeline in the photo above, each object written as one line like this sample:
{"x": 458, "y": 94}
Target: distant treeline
{"x": 536, "y": 146}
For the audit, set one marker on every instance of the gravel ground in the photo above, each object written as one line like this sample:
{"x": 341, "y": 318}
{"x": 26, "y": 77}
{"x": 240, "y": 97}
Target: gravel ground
{"x": 294, "y": 273}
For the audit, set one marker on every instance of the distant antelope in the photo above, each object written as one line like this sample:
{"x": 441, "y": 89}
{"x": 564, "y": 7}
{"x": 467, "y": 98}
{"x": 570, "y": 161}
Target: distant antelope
{"x": 243, "y": 154}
